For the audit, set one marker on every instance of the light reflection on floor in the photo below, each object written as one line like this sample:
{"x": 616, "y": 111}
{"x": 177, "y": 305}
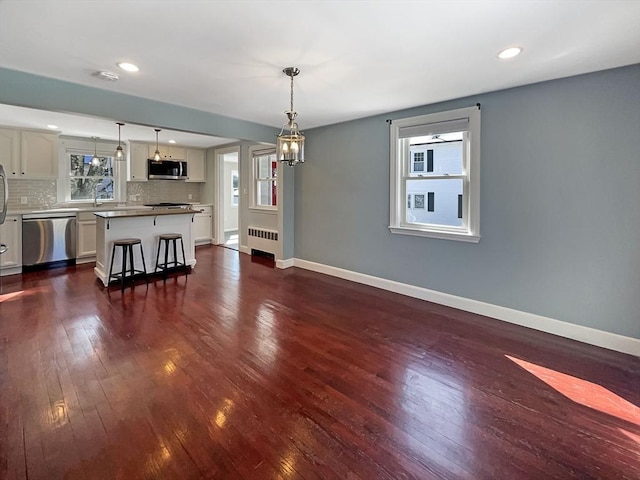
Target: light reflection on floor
{"x": 7, "y": 297}
{"x": 231, "y": 239}
{"x": 583, "y": 392}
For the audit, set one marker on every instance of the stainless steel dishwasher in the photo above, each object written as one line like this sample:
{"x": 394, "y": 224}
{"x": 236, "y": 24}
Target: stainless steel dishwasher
{"x": 48, "y": 240}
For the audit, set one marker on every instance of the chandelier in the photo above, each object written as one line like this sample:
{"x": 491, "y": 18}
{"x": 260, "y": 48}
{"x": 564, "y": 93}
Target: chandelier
{"x": 290, "y": 146}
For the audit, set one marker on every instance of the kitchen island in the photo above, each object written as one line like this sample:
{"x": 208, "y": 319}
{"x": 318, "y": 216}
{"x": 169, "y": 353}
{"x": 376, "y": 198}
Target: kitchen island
{"x": 145, "y": 225}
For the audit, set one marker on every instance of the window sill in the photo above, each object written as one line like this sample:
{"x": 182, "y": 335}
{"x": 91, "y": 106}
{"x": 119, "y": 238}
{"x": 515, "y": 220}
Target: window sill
{"x": 417, "y": 232}
{"x": 272, "y": 211}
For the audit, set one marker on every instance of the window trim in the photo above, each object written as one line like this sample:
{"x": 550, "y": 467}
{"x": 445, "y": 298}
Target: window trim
{"x": 399, "y": 163}
{"x": 254, "y": 153}
{"x": 87, "y": 147}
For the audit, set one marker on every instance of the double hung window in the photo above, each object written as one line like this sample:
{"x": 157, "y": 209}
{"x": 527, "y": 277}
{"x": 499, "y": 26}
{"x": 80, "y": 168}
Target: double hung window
{"x": 265, "y": 169}
{"x": 436, "y": 156}
{"x": 90, "y": 177}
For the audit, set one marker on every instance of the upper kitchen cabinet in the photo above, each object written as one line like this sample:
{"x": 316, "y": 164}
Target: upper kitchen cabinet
{"x": 10, "y": 151}
{"x": 39, "y": 154}
{"x": 29, "y": 154}
{"x": 167, "y": 152}
{"x": 195, "y": 165}
{"x": 137, "y": 164}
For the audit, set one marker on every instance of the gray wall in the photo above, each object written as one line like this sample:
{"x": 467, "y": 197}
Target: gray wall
{"x": 560, "y": 203}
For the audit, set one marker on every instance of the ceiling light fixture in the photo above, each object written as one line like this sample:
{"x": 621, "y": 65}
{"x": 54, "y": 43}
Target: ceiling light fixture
{"x": 51, "y": 126}
{"x": 119, "y": 150}
{"x": 95, "y": 161}
{"x": 509, "y": 53}
{"x": 128, "y": 67}
{"x": 172, "y": 141}
{"x": 290, "y": 146}
{"x": 156, "y": 154}
{"x": 105, "y": 75}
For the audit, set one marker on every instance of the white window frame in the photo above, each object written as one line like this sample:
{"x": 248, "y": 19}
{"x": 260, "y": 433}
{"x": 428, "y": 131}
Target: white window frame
{"x": 256, "y": 179}
{"x": 400, "y": 168}
{"x": 87, "y": 147}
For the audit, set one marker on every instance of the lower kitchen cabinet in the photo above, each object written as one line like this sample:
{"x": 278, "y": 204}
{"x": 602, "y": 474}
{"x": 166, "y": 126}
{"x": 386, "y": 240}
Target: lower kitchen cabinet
{"x": 11, "y": 236}
{"x": 202, "y": 224}
{"x": 86, "y": 231}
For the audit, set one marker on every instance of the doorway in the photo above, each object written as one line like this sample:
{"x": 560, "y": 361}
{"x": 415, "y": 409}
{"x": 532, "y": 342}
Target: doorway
{"x": 228, "y": 196}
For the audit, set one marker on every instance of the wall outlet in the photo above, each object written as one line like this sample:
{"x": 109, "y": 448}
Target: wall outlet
{"x": 190, "y": 196}
{"x": 24, "y": 200}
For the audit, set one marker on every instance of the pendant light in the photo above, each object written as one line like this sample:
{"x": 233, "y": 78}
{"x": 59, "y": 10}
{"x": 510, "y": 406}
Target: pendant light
{"x": 95, "y": 161}
{"x": 156, "y": 155}
{"x": 290, "y": 146}
{"x": 119, "y": 150}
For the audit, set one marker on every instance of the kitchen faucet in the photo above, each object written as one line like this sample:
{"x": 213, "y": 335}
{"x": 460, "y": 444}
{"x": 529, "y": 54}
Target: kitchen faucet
{"x": 95, "y": 196}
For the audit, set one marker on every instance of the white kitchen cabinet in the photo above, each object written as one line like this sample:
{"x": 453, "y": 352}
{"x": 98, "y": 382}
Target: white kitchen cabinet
{"x": 195, "y": 165}
{"x": 86, "y": 233}
{"x": 137, "y": 164}
{"x": 29, "y": 154}
{"x": 167, "y": 152}
{"x": 202, "y": 224}
{"x": 11, "y": 236}
{"x": 10, "y": 151}
{"x": 38, "y": 154}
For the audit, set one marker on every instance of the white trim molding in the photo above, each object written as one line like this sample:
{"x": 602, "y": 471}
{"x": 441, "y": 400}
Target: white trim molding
{"x": 591, "y": 336}
{"x": 286, "y": 263}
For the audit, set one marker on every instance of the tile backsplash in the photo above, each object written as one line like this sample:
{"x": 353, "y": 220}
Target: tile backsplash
{"x": 43, "y": 193}
{"x": 39, "y": 193}
{"x": 155, "y": 191}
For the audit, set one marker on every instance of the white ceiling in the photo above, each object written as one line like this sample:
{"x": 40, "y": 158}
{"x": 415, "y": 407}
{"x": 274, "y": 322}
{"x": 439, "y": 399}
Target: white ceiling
{"x": 357, "y": 58}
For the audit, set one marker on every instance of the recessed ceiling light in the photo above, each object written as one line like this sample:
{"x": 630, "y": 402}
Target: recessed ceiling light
{"x": 129, "y": 67}
{"x": 52, "y": 127}
{"x": 509, "y": 52}
{"x": 172, "y": 141}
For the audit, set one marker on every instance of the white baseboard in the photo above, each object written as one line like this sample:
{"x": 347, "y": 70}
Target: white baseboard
{"x": 287, "y": 263}
{"x": 580, "y": 333}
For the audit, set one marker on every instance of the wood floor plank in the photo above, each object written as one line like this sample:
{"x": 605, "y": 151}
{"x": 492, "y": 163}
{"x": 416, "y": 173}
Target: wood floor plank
{"x": 240, "y": 370}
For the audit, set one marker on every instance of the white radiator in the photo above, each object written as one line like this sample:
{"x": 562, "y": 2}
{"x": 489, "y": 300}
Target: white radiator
{"x": 262, "y": 239}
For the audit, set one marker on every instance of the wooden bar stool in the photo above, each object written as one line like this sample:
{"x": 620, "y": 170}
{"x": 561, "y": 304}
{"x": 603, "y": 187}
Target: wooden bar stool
{"x": 127, "y": 245}
{"x": 165, "y": 240}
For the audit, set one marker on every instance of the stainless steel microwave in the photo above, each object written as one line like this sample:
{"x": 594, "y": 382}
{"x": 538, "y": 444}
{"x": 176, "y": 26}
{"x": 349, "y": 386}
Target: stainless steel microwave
{"x": 166, "y": 169}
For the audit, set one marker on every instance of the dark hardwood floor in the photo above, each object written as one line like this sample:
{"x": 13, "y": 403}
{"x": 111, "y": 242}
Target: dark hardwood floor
{"x": 245, "y": 371}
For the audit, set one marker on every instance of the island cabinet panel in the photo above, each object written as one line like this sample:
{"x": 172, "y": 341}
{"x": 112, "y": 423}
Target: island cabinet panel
{"x": 147, "y": 227}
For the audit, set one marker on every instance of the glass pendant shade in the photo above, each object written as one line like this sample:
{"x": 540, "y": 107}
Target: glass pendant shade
{"x": 95, "y": 161}
{"x": 156, "y": 154}
{"x": 290, "y": 147}
{"x": 119, "y": 153}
